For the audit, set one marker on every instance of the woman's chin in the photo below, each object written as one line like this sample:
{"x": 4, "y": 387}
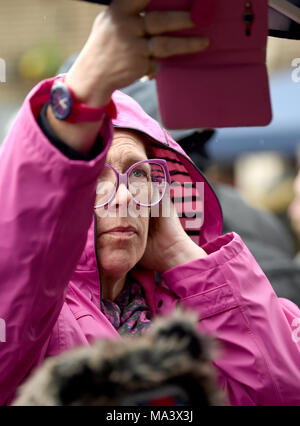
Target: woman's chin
{"x": 118, "y": 263}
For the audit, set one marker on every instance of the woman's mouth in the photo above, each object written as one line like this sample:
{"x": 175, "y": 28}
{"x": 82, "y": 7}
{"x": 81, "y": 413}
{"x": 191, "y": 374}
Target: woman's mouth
{"x": 121, "y": 232}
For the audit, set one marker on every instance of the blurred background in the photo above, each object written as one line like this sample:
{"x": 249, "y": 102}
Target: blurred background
{"x": 37, "y": 36}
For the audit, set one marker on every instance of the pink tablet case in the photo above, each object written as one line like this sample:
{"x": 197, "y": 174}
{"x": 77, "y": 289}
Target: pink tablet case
{"x": 226, "y": 85}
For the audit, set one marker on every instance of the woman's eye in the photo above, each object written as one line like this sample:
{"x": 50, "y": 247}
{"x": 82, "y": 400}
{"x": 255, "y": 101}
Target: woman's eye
{"x": 139, "y": 173}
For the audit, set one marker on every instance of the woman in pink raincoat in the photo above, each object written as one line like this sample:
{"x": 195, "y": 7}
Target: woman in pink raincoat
{"x": 69, "y": 276}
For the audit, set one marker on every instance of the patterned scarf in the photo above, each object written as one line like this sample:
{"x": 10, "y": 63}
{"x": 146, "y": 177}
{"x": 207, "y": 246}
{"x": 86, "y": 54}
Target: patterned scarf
{"x": 129, "y": 313}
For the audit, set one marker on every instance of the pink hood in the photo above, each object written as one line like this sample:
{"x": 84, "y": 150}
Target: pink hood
{"x": 206, "y": 224}
{"x": 197, "y": 205}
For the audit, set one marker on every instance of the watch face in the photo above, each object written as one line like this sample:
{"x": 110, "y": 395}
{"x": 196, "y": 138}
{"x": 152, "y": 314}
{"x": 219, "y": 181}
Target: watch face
{"x": 61, "y": 101}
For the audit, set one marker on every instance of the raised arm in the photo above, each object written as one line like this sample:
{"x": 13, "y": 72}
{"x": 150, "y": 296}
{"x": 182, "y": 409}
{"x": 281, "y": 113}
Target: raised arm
{"x": 46, "y": 207}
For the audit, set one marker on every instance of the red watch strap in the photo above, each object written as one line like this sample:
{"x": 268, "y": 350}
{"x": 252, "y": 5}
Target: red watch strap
{"x": 82, "y": 112}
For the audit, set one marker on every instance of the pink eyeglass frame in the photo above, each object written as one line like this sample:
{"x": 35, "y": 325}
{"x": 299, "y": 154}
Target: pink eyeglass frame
{"x": 123, "y": 178}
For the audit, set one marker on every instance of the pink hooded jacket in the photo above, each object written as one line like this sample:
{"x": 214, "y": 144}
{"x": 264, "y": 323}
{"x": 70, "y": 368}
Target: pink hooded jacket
{"x": 49, "y": 279}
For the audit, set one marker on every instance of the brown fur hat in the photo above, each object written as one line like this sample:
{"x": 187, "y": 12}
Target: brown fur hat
{"x": 171, "y": 360}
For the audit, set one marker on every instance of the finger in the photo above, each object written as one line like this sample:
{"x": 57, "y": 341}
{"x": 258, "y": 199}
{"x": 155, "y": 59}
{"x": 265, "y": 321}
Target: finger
{"x": 162, "y": 22}
{"x": 135, "y": 25}
{"x": 163, "y": 47}
{"x": 128, "y": 7}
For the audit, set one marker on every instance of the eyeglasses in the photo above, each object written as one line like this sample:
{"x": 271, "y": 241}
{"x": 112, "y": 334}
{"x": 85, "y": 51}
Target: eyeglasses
{"x": 146, "y": 180}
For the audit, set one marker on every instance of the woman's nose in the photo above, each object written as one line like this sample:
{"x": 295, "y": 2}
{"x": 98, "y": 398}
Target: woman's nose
{"x": 122, "y": 197}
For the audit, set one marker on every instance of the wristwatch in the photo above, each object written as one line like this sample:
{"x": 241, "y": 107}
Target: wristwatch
{"x": 66, "y": 106}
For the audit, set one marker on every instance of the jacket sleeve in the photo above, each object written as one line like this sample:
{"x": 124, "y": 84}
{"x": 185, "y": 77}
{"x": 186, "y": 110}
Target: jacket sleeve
{"x": 259, "y": 333}
{"x": 46, "y": 204}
